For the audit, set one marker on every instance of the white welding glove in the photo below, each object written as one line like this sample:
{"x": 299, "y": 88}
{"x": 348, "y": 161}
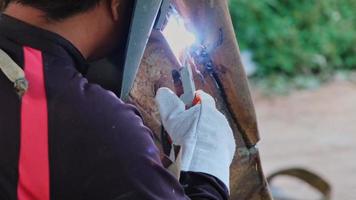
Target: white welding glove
{"x": 202, "y": 131}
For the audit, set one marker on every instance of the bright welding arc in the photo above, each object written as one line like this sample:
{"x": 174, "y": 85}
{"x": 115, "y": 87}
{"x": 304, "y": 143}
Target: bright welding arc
{"x": 178, "y": 37}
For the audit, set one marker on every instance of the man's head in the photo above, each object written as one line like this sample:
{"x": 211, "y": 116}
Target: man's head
{"x": 60, "y": 9}
{"x": 94, "y": 26}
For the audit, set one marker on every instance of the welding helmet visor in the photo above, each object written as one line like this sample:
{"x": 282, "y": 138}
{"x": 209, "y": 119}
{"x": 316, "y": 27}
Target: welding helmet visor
{"x": 147, "y": 14}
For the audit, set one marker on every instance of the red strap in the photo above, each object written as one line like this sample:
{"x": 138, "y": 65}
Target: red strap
{"x": 34, "y": 163}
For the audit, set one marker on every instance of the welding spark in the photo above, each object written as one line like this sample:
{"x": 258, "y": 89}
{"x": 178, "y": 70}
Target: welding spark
{"x": 178, "y": 37}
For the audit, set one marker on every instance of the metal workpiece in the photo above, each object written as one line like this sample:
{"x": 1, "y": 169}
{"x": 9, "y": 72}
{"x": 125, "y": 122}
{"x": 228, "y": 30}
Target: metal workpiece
{"x": 215, "y": 31}
{"x": 216, "y": 69}
{"x": 188, "y": 85}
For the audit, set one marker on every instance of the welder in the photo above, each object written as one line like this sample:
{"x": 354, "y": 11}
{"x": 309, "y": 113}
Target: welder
{"x": 62, "y": 137}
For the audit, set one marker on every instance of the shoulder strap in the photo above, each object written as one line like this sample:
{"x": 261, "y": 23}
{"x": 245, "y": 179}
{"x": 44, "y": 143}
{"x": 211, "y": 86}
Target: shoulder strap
{"x": 14, "y": 73}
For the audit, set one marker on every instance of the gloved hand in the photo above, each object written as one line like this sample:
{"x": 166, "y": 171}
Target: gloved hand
{"x": 202, "y": 131}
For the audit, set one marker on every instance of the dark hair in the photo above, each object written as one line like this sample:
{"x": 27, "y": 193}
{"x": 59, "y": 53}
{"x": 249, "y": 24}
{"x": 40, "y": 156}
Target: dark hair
{"x": 57, "y": 9}
{"x": 2, "y": 5}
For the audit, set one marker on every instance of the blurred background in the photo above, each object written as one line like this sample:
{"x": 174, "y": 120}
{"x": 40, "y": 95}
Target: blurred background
{"x": 300, "y": 57}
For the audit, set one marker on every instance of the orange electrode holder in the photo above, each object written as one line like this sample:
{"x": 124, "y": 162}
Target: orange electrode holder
{"x": 196, "y": 100}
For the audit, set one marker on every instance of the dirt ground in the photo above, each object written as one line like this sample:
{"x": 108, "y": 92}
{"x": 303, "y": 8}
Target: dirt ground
{"x": 314, "y": 130}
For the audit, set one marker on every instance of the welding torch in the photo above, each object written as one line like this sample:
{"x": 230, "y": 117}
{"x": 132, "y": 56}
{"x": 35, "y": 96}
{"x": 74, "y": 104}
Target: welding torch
{"x": 184, "y": 84}
{"x": 180, "y": 40}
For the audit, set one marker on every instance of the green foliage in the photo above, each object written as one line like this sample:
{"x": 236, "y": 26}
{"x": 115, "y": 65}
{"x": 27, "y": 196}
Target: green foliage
{"x": 297, "y": 37}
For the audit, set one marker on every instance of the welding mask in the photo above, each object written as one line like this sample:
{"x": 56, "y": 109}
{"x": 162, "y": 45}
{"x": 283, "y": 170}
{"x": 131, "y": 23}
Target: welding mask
{"x": 117, "y": 72}
{"x": 147, "y": 15}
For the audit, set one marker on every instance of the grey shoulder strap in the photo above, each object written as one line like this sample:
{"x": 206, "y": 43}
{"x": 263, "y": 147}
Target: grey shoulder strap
{"x": 14, "y": 73}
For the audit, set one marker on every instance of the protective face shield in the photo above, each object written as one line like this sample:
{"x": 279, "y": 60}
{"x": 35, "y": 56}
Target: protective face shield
{"x": 147, "y": 15}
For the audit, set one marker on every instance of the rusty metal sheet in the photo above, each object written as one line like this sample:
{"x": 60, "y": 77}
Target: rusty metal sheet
{"x": 209, "y": 19}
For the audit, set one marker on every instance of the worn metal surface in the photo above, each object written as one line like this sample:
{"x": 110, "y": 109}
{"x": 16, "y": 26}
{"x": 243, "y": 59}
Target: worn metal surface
{"x": 210, "y": 20}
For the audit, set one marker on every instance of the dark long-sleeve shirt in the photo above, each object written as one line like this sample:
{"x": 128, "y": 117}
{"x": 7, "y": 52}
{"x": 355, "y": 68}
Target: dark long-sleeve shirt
{"x": 69, "y": 139}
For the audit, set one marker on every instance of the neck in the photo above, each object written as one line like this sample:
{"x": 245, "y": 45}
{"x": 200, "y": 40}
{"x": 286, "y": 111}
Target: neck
{"x": 73, "y": 29}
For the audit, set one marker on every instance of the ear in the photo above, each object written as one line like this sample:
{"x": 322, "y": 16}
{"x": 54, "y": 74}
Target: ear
{"x": 114, "y": 7}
